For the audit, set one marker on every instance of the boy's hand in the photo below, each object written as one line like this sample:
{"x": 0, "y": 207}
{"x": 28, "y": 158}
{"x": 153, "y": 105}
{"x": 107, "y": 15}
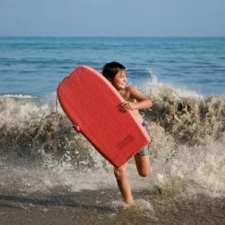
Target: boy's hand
{"x": 125, "y": 106}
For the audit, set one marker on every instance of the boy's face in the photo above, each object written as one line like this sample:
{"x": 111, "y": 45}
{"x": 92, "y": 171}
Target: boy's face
{"x": 120, "y": 80}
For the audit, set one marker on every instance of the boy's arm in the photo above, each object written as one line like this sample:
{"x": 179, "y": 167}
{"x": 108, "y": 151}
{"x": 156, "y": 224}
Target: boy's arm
{"x": 143, "y": 102}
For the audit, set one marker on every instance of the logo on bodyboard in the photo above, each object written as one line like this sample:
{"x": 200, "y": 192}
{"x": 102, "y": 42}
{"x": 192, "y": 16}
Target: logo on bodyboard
{"x": 129, "y": 138}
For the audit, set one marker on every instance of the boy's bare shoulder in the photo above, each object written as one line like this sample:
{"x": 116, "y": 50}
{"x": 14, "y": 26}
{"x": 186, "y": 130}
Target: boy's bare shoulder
{"x": 135, "y": 93}
{"x": 132, "y": 92}
{"x": 131, "y": 88}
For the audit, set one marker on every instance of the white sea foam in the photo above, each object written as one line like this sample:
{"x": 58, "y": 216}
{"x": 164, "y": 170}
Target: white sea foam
{"x": 30, "y": 181}
{"x": 154, "y": 86}
{"x": 193, "y": 170}
{"x": 17, "y": 96}
{"x": 40, "y": 137}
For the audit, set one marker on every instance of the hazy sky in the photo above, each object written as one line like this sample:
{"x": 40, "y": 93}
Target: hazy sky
{"x": 112, "y": 17}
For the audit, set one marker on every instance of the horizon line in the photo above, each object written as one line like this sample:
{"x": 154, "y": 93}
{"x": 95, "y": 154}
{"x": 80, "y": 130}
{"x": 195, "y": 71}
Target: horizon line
{"x": 111, "y": 36}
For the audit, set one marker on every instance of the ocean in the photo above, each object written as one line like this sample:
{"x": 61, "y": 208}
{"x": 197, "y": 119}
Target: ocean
{"x": 34, "y": 66}
{"x": 50, "y": 174}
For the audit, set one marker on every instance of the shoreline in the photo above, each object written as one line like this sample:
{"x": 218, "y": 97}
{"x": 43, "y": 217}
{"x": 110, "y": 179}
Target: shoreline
{"x": 97, "y": 207}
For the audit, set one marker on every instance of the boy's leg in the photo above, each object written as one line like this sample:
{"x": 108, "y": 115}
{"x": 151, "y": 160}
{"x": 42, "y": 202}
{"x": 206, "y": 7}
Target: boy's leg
{"x": 123, "y": 183}
{"x": 143, "y": 165}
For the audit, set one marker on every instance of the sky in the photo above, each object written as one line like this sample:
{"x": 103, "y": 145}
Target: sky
{"x": 112, "y": 17}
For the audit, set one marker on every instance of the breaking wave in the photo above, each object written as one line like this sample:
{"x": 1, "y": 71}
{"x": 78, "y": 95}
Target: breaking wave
{"x": 188, "y": 139}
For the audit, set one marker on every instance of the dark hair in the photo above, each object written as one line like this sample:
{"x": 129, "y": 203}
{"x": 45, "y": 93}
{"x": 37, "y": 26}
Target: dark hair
{"x": 110, "y": 70}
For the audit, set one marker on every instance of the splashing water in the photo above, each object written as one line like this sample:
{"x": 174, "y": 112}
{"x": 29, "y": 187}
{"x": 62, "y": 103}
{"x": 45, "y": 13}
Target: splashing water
{"x": 187, "y": 144}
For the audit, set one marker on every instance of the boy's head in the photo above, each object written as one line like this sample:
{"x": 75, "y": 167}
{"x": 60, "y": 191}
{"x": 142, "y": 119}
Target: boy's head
{"x": 110, "y": 70}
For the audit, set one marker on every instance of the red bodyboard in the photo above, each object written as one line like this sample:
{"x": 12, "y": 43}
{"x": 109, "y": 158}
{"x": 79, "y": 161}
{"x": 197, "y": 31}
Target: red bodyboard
{"x": 91, "y": 102}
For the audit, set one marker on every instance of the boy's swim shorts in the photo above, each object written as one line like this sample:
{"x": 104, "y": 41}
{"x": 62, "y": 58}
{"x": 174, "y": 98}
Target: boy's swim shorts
{"x": 144, "y": 151}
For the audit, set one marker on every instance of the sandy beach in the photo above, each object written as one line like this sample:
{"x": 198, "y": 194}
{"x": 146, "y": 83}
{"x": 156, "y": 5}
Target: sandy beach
{"x": 99, "y": 207}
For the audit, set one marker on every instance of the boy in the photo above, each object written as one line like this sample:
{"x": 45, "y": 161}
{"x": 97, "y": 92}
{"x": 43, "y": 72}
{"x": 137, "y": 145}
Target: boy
{"x": 133, "y": 100}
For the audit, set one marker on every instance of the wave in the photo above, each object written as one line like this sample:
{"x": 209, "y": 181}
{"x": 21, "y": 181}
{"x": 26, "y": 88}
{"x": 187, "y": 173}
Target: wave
{"x": 188, "y": 138}
{"x": 33, "y": 133}
{"x": 16, "y": 96}
{"x": 191, "y": 120}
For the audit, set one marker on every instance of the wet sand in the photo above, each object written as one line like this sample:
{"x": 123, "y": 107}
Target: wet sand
{"x": 61, "y": 207}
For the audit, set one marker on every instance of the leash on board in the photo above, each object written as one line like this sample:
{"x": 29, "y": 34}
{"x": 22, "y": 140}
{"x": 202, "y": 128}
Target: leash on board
{"x": 56, "y": 105}
{"x": 57, "y": 100}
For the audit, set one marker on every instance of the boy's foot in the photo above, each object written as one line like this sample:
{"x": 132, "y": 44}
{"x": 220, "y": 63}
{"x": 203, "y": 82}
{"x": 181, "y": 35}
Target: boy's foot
{"x": 129, "y": 201}
{"x": 122, "y": 204}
